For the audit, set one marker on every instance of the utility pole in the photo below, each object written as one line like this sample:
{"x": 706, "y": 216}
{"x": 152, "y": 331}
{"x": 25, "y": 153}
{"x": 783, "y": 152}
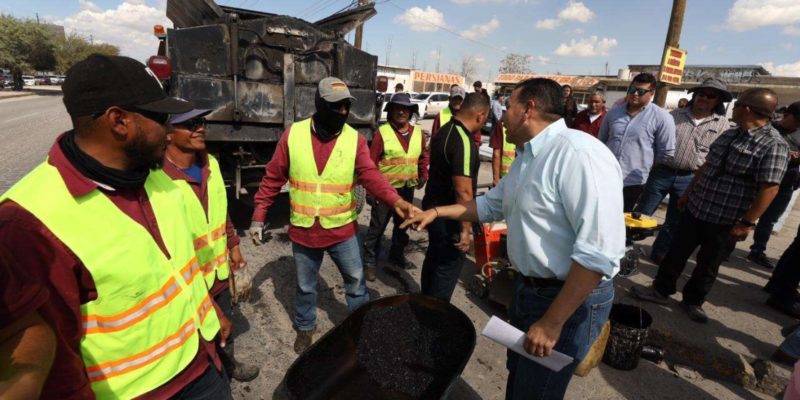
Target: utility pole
{"x": 360, "y": 28}
{"x": 438, "y": 57}
{"x": 673, "y": 39}
{"x": 388, "y": 50}
{"x": 606, "y": 68}
{"x": 37, "y": 18}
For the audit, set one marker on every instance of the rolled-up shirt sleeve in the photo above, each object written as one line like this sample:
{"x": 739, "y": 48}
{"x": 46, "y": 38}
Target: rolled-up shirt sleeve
{"x": 592, "y": 200}
{"x": 490, "y": 205}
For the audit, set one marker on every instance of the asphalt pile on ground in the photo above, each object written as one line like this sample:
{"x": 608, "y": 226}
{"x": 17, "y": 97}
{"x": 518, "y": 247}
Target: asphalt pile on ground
{"x": 410, "y": 349}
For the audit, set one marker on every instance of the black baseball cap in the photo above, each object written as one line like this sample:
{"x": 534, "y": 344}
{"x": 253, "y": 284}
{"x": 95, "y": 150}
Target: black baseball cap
{"x": 99, "y": 82}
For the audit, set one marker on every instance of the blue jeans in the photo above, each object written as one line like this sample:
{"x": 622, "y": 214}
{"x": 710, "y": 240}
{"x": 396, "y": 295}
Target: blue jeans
{"x": 212, "y": 385}
{"x": 660, "y": 183}
{"x": 443, "y": 260}
{"x": 771, "y": 215}
{"x": 347, "y": 257}
{"x": 528, "y": 380}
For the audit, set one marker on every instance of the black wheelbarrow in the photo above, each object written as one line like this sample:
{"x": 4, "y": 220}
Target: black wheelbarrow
{"x": 399, "y": 347}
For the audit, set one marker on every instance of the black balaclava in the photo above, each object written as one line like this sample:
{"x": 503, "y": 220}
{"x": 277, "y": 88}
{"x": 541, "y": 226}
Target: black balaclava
{"x": 94, "y": 170}
{"x": 328, "y": 123}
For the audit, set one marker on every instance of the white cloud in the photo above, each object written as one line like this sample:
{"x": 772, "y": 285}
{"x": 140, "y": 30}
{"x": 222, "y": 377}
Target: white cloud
{"x": 791, "y": 30}
{"x": 576, "y": 11}
{"x": 478, "y": 31}
{"x": 549, "y": 23}
{"x": 792, "y": 69}
{"x": 586, "y": 47}
{"x": 542, "y": 60}
{"x": 480, "y": 60}
{"x": 576, "y": 32}
{"x": 88, "y": 5}
{"x": 129, "y": 25}
{"x": 702, "y": 48}
{"x": 417, "y": 19}
{"x": 746, "y": 15}
{"x": 789, "y": 46}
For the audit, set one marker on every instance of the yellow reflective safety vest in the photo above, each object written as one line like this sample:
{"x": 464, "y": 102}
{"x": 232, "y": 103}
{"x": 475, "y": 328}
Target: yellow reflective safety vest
{"x": 509, "y": 154}
{"x": 400, "y": 167}
{"x": 142, "y": 330}
{"x": 445, "y": 115}
{"x": 208, "y": 231}
{"x": 329, "y": 196}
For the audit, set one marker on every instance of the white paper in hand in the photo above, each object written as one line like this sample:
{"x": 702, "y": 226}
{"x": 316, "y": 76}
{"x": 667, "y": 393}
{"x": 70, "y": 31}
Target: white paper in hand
{"x": 502, "y": 332}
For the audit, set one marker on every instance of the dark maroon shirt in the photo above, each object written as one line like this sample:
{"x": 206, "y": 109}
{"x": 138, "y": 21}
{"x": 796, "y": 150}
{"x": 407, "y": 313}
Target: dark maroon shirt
{"x": 200, "y": 189}
{"x": 583, "y": 123}
{"x": 44, "y": 259}
{"x": 277, "y": 175}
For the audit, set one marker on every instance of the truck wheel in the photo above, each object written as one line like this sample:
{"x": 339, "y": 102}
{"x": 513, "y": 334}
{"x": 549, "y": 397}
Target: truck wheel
{"x": 361, "y": 198}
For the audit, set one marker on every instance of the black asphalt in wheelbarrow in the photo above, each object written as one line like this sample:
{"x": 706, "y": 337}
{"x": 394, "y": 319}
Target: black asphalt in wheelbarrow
{"x": 399, "y": 347}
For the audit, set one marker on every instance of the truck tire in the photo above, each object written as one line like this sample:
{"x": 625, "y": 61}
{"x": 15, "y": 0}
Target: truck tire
{"x": 361, "y": 198}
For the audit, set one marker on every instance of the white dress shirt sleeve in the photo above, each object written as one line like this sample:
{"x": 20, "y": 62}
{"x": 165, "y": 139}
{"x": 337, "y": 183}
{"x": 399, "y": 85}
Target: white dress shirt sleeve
{"x": 490, "y": 205}
{"x": 591, "y": 194}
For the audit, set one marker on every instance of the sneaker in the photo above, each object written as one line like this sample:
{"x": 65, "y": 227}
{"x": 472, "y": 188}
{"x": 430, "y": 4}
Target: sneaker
{"x": 791, "y": 309}
{"x": 695, "y": 313}
{"x": 760, "y": 259}
{"x": 369, "y": 272}
{"x": 303, "y": 340}
{"x": 649, "y": 293}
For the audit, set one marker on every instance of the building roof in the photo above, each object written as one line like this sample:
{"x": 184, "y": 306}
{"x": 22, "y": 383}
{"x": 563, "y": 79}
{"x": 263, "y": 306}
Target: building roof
{"x": 577, "y": 82}
{"x": 759, "y": 68}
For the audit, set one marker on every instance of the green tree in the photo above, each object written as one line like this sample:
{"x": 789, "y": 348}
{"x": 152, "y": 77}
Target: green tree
{"x": 25, "y": 44}
{"x": 74, "y": 48}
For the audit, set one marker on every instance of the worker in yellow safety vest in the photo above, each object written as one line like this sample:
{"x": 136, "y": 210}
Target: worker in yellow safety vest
{"x": 398, "y": 148}
{"x": 198, "y": 176}
{"x": 323, "y": 158}
{"x": 128, "y": 302}
{"x": 457, "y": 94}
{"x": 503, "y": 153}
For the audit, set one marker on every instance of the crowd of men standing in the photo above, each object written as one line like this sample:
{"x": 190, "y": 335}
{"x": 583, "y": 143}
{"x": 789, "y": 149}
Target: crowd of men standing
{"x": 120, "y": 266}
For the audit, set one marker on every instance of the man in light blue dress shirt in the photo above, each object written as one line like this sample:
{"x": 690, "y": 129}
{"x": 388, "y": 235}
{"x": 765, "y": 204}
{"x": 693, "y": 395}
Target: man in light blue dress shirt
{"x": 562, "y": 202}
{"x": 638, "y": 133}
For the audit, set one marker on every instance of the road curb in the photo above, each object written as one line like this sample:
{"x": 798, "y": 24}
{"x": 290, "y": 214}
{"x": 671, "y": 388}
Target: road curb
{"x": 15, "y": 95}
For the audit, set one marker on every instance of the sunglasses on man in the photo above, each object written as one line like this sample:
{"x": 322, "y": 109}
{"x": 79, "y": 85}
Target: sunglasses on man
{"x": 193, "y": 124}
{"x": 638, "y": 91}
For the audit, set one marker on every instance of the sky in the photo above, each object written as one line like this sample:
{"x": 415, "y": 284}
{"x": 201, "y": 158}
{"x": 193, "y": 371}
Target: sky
{"x": 557, "y": 36}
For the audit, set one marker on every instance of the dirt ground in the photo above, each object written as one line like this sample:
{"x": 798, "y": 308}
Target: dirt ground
{"x": 740, "y": 322}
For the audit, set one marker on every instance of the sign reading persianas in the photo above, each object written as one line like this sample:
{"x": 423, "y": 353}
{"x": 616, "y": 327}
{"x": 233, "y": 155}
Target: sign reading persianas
{"x": 672, "y": 68}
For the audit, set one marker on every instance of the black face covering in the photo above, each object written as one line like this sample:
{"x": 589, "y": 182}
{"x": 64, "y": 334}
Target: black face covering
{"x": 94, "y": 170}
{"x": 327, "y": 122}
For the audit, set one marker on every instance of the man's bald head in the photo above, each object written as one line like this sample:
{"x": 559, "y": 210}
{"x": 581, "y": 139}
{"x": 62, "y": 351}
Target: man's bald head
{"x": 761, "y": 101}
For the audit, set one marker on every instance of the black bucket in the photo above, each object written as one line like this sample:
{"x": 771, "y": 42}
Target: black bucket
{"x": 629, "y": 326}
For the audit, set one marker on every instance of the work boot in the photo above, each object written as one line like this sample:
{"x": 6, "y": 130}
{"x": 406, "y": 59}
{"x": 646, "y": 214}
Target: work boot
{"x": 369, "y": 272}
{"x": 761, "y": 259}
{"x": 695, "y": 313}
{"x": 791, "y": 309}
{"x": 303, "y": 340}
{"x": 399, "y": 261}
{"x": 235, "y": 369}
{"x": 649, "y": 293}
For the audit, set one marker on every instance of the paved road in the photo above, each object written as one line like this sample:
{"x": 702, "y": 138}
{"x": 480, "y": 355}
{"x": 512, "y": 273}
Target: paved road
{"x": 28, "y": 126}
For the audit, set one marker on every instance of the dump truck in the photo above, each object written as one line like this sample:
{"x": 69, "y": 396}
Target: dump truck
{"x": 259, "y": 72}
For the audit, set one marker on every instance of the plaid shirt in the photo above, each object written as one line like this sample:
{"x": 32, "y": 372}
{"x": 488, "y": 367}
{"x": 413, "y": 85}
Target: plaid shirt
{"x": 693, "y": 139}
{"x": 737, "y": 163}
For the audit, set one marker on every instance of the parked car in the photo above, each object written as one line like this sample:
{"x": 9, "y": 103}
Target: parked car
{"x": 28, "y": 80}
{"x": 431, "y": 103}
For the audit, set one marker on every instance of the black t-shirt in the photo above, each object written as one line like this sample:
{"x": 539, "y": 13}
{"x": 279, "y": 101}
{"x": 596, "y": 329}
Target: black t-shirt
{"x": 452, "y": 153}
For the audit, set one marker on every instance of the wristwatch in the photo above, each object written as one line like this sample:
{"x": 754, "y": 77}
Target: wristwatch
{"x": 746, "y": 223}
